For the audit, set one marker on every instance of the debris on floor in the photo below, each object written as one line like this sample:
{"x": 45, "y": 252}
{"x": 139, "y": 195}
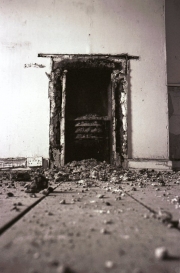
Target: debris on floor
{"x": 164, "y": 216}
{"x": 95, "y": 203}
{"x": 161, "y": 253}
{"x": 39, "y": 183}
{"x": 109, "y": 264}
{"x": 20, "y": 176}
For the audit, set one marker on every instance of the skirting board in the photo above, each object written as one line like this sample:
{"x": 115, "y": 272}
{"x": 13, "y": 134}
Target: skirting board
{"x": 23, "y": 162}
{"x": 163, "y": 165}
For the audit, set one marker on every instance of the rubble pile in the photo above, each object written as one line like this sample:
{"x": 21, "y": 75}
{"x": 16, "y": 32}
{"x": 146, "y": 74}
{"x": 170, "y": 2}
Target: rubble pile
{"x": 89, "y": 170}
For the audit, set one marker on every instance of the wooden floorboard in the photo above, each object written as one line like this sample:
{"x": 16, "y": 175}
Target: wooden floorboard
{"x": 87, "y": 231}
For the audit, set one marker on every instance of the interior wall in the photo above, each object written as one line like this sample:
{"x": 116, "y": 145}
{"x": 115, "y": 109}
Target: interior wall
{"x": 30, "y": 27}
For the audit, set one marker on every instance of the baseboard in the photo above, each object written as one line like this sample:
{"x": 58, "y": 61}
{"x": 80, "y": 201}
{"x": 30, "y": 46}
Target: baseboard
{"x": 162, "y": 165}
{"x": 23, "y": 162}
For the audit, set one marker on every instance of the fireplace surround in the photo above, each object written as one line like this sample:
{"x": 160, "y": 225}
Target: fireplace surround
{"x": 88, "y": 108}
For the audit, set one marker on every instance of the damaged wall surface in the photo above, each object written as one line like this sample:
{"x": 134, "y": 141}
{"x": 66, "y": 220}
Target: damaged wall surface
{"x": 77, "y": 27}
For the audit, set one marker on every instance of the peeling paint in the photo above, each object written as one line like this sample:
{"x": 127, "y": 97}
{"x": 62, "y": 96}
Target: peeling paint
{"x": 54, "y": 127}
{"x": 62, "y": 118}
{"x": 119, "y": 85}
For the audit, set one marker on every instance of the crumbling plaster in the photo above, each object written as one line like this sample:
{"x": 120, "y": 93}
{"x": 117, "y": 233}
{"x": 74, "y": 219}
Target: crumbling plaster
{"x": 99, "y": 26}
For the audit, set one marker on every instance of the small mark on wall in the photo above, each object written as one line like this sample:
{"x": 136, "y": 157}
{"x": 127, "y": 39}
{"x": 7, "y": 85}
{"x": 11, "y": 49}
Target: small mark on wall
{"x": 12, "y": 45}
{"x": 34, "y": 65}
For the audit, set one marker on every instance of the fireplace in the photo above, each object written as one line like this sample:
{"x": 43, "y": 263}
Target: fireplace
{"x": 88, "y": 108}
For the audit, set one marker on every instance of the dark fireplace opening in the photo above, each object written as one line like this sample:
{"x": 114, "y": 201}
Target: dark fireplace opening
{"x": 88, "y": 114}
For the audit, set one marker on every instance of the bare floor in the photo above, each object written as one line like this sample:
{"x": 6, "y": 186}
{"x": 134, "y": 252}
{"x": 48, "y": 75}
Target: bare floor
{"x": 92, "y": 226}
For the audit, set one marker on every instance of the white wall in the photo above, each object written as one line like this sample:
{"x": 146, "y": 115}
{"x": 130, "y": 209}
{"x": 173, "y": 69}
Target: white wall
{"x": 30, "y": 27}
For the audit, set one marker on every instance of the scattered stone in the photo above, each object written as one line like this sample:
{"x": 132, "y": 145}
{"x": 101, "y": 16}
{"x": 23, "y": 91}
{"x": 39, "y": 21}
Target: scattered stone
{"x": 50, "y": 213}
{"x": 40, "y": 183}
{"x": 176, "y": 200}
{"x": 109, "y": 264}
{"x": 108, "y": 204}
{"x": 92, "y": 229}
{"x": 10, "y": 194}
{"x": 36, "y": 255}
{"x": 126, "y": 237}
{"x": 108, "y": 222}
{"x": 53, "y": 263}
{"x": 50, "y": 189}
{"x": 64, "y": 269}
{"x": 93, "y": 201}
{"x": 63, "y": 201}
{"x": 161, "y": 253}
{"x": 33, "y": 195}
{"x": 100, "y": 196}
{"x": 104, "y": 231}
{"x": 177, "y": 206}
{"x": 15, "y": 208}
{"x": 146, "y": 216}
{"x": 61, "y": 176}
{"x": 164, "y": 216}
{"x": 170, "y": 225}
{"x": 44, "y": 192}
